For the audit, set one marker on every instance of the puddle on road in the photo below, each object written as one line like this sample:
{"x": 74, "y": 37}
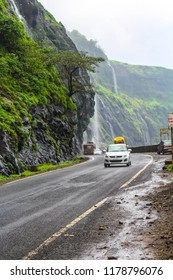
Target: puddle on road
{"x": 129, "y": 243}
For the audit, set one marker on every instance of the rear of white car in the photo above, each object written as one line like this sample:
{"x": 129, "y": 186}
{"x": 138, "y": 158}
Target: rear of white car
{"x": 117, "y": 154}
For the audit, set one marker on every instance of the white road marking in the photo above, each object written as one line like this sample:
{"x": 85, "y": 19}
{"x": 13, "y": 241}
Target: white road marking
{"x": 54, "y": 236}
{"x": 137, "y": 174}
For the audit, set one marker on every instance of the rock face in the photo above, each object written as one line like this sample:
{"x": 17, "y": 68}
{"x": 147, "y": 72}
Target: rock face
{"x": 55, "y": 134}
{"x": 43, "y": 26}
{"x": 131, "y": 100}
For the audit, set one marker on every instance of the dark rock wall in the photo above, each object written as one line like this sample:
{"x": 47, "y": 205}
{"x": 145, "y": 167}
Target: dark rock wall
{"x": 54, "y": 135}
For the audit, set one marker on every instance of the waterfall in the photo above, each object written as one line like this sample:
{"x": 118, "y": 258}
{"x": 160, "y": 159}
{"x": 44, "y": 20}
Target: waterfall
{"x": 92, "y": 133}
{"x": 16, "y": 10}
{"x": 96, "y": 134}
{"x": 20, "y": 17}
{"x": 146, "y": 134}
{"x": 114, "y": 78}
{"x": 111, "y": 130}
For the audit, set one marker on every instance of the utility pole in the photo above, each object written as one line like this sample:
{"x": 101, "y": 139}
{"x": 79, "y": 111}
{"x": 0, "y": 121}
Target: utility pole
{"x": 170, "y": 124}
{"x": 172, "y": 144}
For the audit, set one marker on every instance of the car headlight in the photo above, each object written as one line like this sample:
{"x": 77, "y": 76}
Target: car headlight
{"x": 125, "y": 156}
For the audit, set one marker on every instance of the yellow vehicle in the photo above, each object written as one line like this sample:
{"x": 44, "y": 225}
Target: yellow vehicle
{"x": 119, "y": 140}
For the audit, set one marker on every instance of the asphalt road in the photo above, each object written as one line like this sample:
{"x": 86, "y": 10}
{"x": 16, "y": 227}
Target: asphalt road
{"x": 35, "y": 211}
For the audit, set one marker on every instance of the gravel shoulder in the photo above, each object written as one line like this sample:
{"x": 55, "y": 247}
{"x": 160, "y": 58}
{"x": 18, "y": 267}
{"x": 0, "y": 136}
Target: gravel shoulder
{"x": 160, "y": 235}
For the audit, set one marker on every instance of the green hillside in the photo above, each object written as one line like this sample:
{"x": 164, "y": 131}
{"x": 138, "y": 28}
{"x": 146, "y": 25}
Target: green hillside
{"x": 138, "y": 108}
{"x": 40, "y": 122}
{"x": 145, "y": 82}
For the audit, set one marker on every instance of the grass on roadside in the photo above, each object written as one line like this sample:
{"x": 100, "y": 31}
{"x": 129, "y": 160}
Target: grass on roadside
{"x": 169, "y": 168}
{"x": 41, "y": 169}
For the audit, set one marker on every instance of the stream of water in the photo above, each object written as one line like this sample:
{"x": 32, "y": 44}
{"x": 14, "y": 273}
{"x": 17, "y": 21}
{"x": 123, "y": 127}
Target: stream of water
{"x": 96, "y": 135}
{"x": 114, "y": 78}
{"x": 16, "y": 10}
{"x": 20, "y": 17}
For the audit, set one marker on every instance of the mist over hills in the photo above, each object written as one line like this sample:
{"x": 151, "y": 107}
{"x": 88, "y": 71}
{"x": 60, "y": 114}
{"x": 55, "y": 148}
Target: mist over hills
{"x": 133, "y": 100}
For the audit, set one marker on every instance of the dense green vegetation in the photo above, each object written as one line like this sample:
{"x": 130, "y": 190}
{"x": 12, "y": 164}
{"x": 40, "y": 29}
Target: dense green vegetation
{"x": 46, "y": 98}
{"x": 26, "y": 80}
{"x": 148, "y": 83}
{"x": 71, "y": 63}
{"x": 129, "y": 116}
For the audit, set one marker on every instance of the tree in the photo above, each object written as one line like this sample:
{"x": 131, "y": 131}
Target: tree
{"x": 72, "y": 65}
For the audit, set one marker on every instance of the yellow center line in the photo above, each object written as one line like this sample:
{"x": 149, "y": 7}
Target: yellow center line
{"x": 54, "y": 236}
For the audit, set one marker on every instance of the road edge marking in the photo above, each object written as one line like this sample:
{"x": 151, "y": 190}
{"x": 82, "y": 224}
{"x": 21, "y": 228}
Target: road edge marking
{"x": 55, "y": 235}
{"x": 137, "y": 174}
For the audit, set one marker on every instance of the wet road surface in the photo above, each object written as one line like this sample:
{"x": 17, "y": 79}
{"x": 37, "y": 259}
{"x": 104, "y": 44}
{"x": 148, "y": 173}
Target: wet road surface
{"x": 36, "y": 213}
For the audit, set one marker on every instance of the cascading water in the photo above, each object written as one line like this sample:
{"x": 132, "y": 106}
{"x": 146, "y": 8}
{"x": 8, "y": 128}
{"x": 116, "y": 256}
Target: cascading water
{"x": 146, "y": 134}
{"x": 92, "y": 133}
{"x": 96, "y": 135}
{"x": 111, "y": 130}
{"x": 107, "y": 118}
{"x": 20, "y": 17}
{"x": 114, "y": 78}
{"x": 16, "y": 10}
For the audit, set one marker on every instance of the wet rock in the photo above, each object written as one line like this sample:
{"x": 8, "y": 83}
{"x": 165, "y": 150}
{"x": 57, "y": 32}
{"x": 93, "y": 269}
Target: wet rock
{"x": 136, "y": 203}
{"x": 112, "y": 258}
{"x": 101, "y": 227}
{"x": 102, "y": 246}
{"x": 149, "y": 204}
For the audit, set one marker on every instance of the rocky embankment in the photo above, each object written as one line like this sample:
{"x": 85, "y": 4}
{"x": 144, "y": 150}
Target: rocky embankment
{"x": 161, "y": 233}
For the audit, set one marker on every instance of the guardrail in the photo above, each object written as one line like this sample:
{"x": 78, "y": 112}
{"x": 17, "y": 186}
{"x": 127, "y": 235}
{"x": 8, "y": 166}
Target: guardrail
{"x": 144, "y": 149}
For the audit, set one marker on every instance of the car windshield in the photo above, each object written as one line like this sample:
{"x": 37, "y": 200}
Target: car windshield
{"x": 117, "y": 148}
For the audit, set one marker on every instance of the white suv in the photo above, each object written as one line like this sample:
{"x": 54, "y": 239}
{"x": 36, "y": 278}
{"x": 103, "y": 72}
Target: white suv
{"x": 117, "y": 154}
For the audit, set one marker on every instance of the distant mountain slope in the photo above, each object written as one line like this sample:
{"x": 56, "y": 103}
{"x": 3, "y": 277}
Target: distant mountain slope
{"x": 145, "y": 82}
{"x": 132, "y": 100}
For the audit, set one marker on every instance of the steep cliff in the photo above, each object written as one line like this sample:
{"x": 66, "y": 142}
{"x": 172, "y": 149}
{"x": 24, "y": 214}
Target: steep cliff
{"x": 39, "y": 122}
{"x": 132, "y": 100}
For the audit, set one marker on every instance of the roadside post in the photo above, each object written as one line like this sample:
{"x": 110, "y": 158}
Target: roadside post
{"x": 170, "y": 124}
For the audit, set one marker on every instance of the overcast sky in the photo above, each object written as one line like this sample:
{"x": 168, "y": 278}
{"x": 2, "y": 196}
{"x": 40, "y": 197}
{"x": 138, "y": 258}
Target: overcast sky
{"x": 132, "y": 31}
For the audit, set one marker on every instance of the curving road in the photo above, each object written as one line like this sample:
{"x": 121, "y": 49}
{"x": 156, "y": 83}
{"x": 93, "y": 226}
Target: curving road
{"x": 36, "y": 210}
